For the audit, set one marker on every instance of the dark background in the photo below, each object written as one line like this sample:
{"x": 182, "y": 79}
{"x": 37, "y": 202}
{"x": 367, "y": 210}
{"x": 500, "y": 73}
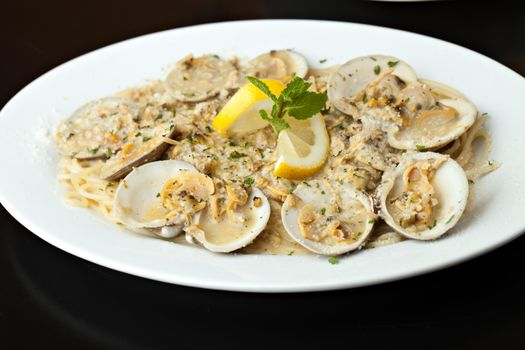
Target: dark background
{"x": 51, "y": 299}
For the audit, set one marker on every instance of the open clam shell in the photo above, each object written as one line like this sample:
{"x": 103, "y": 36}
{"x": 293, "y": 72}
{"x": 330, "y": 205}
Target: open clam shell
{"x": 327, "y": 217}
{"x": 349, "y": 81}
{"x": 196, "y": 79}
{"x": 97, "y": 128}
{"x": 438, "y": 130}
{"x": 137, "y": 203}
{"x": 419, "y": 206}
{"x": 278, "y": 64}
{"x": 228, "y": 235}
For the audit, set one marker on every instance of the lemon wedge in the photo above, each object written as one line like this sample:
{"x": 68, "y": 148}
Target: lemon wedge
{"x": 240, "y": 115}
{"x": 302, "y": 149}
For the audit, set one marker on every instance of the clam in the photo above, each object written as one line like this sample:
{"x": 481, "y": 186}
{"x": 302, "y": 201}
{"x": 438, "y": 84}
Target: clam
{"x": 98, "y": 128}
{"x": 171, "y": 196}
{"x": 347, "y": 85}
{"x": 433, "y": 126}
{"x": 146, "y": 145}
{"x": 424, "y": 195}
{"x": 196, "y": 79}
{"x": 278, "y": 64}
{"x": 137, "y": 199}
{"x": 384, "y": 93}
{"x": 231, "y": 231}
{"x": 328, "y": 217}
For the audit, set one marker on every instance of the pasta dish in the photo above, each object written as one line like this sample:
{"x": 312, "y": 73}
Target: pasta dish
{"x": 271, "y": 156}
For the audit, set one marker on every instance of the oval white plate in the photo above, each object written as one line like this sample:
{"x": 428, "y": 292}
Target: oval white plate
{"x": 30, "y": 192}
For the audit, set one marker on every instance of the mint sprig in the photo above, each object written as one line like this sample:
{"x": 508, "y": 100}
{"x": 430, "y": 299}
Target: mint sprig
{"x": 295, "y": 100}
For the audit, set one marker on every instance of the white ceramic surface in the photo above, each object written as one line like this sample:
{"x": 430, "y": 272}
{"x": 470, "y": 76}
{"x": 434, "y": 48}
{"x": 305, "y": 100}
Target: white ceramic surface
{"x": 30, "y": 192}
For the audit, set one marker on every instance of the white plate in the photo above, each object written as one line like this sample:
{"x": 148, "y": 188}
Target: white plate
{"x": 30, "y": 192}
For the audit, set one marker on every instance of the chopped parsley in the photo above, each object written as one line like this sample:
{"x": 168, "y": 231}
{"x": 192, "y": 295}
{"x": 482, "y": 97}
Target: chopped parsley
{"x": 146, "y": 138}
{"x": 249, "y": 181}
{"x": 333, "y": 260}
{"x": 138, "y": 134}
{"x": 323, "y": 60}
{"x": 392, "y": 63}
{"x": 157, "y": 117}
{"x": 158, "y": 195}
{"x": 94, "y": 150}
{"x": 208, "y": 129}
{"x": 377, "y": 70}
{"x": 421, "y": 147}
{"x": 323, "y": 211}
{"x": 109, "y": 153}
{"x": 449, "y": 220}
{"x": 189, "y": 94}
{"x": 233, "y": 144}
{"x": 236, "y": 155}
{"x": 291, "y": 252}
{"x": 222, "y": 199}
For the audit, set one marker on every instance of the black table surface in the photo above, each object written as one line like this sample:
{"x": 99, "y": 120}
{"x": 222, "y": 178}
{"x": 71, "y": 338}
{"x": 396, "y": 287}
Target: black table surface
{"x": 51, "y": 299}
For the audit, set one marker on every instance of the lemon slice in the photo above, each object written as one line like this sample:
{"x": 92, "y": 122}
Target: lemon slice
{"x": 240, "y": 115}
{"x": 302, "y": 149}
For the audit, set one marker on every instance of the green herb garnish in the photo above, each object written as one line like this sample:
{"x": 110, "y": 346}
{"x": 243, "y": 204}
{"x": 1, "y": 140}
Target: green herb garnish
{"x": 236, "y": 155}
{"x": 323, "y": 211}
{"x": 421, "y": 147}
{"x": 377, "y": 70}
{"x": 323, "y": 60}
{"x": 249, "y": 181}
{"x": 392, "y": 63}
{"x": 333, "y": 260}
{"x": 295, "y": 101}
{"x": 94, "y": 150}
{"x": 146, "y": 138}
